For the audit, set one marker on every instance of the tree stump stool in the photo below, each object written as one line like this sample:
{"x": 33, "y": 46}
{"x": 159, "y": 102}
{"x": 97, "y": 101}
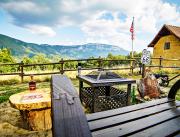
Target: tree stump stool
{"x": 35, "y": 108}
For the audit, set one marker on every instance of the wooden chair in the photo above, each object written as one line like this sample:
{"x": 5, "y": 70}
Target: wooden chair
{"x": 155, "y": 118}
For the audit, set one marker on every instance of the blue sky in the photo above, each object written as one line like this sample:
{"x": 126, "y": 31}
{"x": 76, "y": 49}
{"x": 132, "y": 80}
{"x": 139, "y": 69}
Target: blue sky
{"x": 71, "y": 22}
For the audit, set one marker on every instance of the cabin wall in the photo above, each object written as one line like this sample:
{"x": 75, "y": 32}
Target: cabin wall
{"x": 172, "y": 53}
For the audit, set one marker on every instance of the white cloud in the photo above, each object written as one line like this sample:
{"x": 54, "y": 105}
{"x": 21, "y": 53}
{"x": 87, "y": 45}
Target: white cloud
{"x": 41, "y": 30}
{"x": 167, "y": 12}
{"x": 149, "y": 17}
{"x": 114, "y": 32}
{"x": 72, "y": 6}
{"x": 24, "y": 6}
{"x": 76, "y": 12}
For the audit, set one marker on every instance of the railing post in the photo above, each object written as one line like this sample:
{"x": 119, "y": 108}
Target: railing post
{"x": 140, "y": 68}
{"x": 22, "y": 71}
{"x": 143, "y": 70}
{"x": 160, "y": 62}
{"x": 79, "y": 68}
{"x": 62, "y": 66}
{"x": 132, "y": 67}
{"x": 100, "y": 63}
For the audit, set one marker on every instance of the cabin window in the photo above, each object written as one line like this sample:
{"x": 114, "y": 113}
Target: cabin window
{"x": 167, "y": 45}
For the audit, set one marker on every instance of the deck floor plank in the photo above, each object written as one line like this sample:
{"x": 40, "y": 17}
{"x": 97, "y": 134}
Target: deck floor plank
{"x": 168, "y": 128}
{"x": 123, "y": 118}
{"x": 123, "y": 110}
{"x": 132, "y": 127}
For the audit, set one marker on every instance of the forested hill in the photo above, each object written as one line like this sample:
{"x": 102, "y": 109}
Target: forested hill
{"x": 20, "y": 48}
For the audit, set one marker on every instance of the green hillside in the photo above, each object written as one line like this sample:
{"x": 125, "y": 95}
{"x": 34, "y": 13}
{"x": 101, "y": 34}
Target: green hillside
{"x": 20, "y": 48}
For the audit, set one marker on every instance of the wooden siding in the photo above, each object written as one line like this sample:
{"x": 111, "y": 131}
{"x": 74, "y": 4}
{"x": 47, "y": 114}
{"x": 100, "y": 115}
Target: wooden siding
{"x": 172, "y": 53}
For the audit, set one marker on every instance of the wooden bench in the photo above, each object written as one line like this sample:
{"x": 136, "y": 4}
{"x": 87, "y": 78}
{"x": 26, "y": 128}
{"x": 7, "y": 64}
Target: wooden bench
{"x": 155, "y": 118}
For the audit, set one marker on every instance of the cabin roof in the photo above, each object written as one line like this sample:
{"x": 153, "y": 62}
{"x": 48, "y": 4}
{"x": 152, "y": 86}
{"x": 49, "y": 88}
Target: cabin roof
{"x": 166, "y": 30}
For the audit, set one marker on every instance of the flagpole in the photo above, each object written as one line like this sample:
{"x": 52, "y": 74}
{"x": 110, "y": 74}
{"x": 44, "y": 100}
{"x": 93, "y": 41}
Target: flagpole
{"x": 132, "y": 50}
{"x": 132, "y": 38}
{"x": 132, "y": 54}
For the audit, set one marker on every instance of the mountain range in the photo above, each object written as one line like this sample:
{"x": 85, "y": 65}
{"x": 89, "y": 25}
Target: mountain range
{"x": 20, "y": 48}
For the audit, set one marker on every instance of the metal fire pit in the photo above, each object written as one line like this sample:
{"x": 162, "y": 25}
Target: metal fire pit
{"x": 101, "y": 95}
{"x": 103, "y": 75}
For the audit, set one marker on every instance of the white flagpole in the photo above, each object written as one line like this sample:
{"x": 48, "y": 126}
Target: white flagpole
{"x": 132, "y": 50}
{"x": 132, "y": 54}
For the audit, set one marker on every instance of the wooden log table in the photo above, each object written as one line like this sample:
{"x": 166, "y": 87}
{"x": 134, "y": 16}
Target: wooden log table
{"x": 157, "y": 118}
{"x": 35, "y": 108}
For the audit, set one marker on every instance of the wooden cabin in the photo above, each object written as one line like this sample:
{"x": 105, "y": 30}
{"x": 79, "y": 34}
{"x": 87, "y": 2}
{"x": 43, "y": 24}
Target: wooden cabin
{"x": 167, "y": 45}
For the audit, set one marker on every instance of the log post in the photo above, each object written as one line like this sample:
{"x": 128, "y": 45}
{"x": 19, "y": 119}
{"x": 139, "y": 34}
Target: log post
{"x": 100, "y": 63}
{"x": 143, "y": 70}
{"x": 79, "y": 68}
{"x": 140, "y": 68}
{"x": 160, "y": 63}
{"x": 62, "y": 66}
{"x": 132, "y": 66}
{"x": 22, "y": 71}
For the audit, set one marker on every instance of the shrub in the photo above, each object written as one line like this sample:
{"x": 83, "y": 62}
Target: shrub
{"x": 9, "y": 81}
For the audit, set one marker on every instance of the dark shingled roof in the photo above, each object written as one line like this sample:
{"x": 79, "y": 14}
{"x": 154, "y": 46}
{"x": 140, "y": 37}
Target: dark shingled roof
{"x": 166, "y": 30}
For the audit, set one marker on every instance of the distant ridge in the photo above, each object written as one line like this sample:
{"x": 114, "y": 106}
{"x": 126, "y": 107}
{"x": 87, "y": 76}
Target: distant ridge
{"x": 21, "y": 48}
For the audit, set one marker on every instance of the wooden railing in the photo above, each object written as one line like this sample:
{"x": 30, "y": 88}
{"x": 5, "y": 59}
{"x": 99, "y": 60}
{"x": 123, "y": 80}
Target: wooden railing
{"x": 133, "y": 64}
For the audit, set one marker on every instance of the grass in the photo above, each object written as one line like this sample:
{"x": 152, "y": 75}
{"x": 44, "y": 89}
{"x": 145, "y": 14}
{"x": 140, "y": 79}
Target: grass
{"x": 16, "y": 79}
{"x": 7, "y": 90}
{"x": 11, "y": 84}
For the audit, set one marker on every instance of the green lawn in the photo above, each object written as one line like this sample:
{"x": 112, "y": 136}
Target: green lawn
{"x": 7, "y": 90}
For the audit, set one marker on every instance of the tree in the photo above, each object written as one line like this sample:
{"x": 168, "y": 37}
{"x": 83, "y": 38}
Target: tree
{"x": 40, "y": 58}
{"x": 27, "y": 60}
{"x": 6, "y": 57}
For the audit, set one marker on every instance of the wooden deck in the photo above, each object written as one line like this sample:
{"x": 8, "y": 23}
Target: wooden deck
{"x": 141, "y": 120}
{"x": 155, "y": 118}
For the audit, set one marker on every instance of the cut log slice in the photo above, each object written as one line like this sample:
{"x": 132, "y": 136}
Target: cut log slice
{"x": 35, "y": 108}
{"x": 27, "y": 100}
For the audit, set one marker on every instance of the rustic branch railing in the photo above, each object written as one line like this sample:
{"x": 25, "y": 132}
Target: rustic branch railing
{"x": 134, "y": 63}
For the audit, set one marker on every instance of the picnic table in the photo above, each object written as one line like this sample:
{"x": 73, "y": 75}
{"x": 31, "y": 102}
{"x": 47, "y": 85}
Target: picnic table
{"x": 156, "y": 118}
{"x": 35, "y": 108}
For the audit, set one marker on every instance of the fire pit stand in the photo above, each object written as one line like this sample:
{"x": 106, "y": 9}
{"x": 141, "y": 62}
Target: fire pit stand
{"x": 101, "y": 95}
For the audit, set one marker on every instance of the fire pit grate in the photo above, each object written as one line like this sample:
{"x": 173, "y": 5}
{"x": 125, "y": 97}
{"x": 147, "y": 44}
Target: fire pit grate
{"x": 102, "y": 75}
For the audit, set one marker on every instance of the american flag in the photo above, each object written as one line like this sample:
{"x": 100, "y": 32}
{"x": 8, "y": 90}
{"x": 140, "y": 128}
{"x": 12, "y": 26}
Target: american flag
{"x": 132, "y": 29}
